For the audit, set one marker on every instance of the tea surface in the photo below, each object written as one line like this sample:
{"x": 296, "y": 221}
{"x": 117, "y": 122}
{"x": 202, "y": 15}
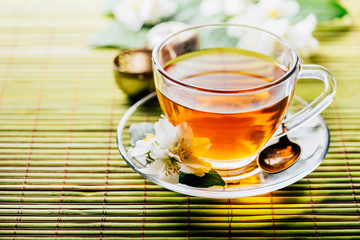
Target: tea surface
{"x": 225, "y": 69}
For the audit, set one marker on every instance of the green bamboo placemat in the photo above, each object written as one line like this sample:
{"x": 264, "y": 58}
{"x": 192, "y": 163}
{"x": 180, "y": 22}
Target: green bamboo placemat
{"x": 61, "y": 176}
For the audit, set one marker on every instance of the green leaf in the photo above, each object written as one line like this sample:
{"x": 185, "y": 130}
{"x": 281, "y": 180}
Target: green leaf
{"x": 138, "y": 131}
{"x": 117, "y": 35}
{"x": 212, "y": 178}
{"x": 324, "y": 10}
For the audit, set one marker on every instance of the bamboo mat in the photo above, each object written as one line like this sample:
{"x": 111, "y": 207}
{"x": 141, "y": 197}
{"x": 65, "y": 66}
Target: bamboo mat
{"x": 61, "y": 176}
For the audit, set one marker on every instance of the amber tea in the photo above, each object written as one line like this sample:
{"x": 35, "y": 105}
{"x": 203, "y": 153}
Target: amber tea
{"x": 237, "y": 126}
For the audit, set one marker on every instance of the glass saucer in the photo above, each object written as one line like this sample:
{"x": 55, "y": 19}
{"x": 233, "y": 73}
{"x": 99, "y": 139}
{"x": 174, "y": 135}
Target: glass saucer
{"x": 313, "y": 137}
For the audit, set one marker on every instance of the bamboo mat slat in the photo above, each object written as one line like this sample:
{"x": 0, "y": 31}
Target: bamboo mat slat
{"x": 61, "y": 176}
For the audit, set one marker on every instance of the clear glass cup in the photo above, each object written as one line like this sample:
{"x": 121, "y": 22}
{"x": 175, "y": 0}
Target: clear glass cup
{"x": 240, "y": 113}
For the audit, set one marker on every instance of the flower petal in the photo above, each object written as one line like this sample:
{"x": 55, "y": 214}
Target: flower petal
{"x": 289, "y": 8}
{"x": 277, "y": 26}
{"x": 234, "y": 7}
{"x": 186, "y": 135}
{"x": 156, "y": 167}
{"x": 210, "y": 8}
{"x": 139, "y": 157}
{"x": 126, "y": 12}
{"x": 171, "y": 178}
{"x": 157, "y": 152}
{"x": 166, "y": 134}
{"x": 165, "y": 8}
{"x": 278, "y": 8}
{"x": 300, "y": 35}
{"x": 200, "y": 146}
{"x": 194, "y": 165}
{"x": 135, "y": 13}
{"x": 140, "y": 150}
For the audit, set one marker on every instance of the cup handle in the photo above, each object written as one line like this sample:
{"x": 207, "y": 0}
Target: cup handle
{"x": 309, "y": 71}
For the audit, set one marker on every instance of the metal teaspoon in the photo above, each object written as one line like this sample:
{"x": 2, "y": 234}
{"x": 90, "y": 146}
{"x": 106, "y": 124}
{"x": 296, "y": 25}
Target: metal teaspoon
{"x": 279, "y": 156}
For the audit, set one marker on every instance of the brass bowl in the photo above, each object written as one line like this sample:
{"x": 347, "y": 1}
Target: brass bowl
{"x": 132, "y": 70}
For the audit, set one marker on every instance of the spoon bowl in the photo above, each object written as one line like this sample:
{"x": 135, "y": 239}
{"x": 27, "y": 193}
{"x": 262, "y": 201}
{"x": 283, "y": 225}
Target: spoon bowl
{"x": 279, "y": 156}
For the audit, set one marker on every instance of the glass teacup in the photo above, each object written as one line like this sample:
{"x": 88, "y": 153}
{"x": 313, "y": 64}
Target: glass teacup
{"x": 233, "y": 84}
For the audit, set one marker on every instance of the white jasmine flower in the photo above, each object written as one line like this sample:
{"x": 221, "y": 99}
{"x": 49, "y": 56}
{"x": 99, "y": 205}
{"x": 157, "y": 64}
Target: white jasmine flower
{"x": 249, "y": 18}
{"x": 258, "y": 42}
{"x": 277, "y": 26}
{"x": 268, "y": 14}
{"x": 210, "y": 8}
{"x": 274, "y": 16}
{"x": 171, "y": 150}
{"x": 278, "y": 8}
{"x": 135, "y": 13}
{"x": 300, "y": 35}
